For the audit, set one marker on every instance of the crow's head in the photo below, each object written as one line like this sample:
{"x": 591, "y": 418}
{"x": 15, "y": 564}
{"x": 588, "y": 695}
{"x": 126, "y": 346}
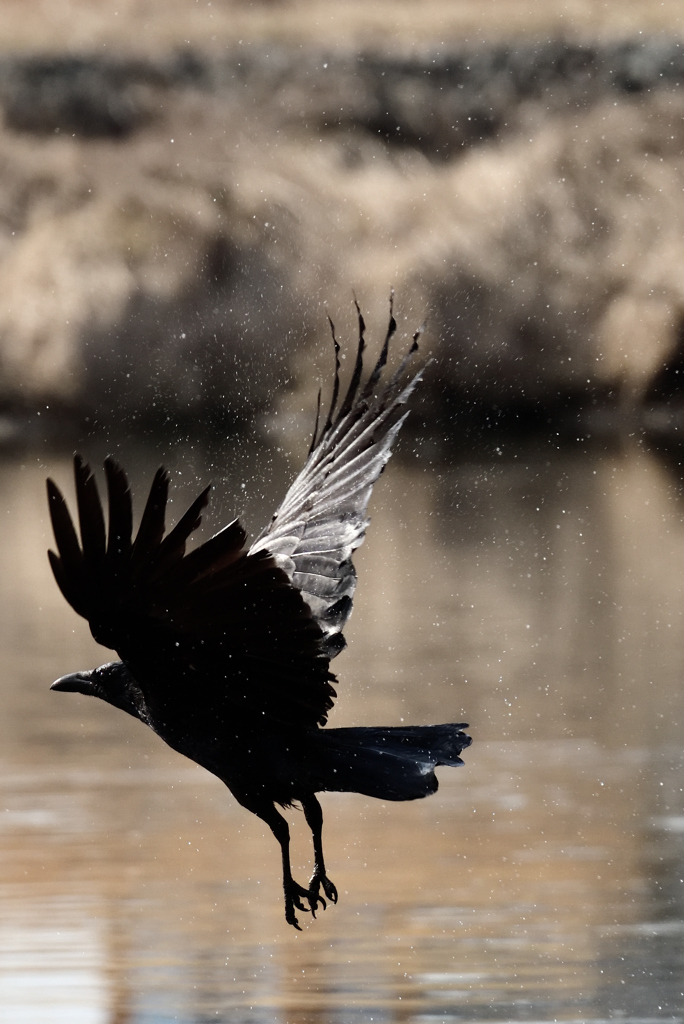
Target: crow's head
{"x": 111, "y": 682}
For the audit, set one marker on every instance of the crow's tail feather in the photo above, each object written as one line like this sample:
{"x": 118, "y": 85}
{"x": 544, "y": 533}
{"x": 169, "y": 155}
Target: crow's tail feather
{"x": 392, "y": 763}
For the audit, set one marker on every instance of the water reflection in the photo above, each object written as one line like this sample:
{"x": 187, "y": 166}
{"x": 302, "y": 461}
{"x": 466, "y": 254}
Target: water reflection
{"x": 539, "y": 597}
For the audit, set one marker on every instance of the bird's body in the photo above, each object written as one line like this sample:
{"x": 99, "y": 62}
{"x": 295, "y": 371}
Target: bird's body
{"x": 225, "y": 651}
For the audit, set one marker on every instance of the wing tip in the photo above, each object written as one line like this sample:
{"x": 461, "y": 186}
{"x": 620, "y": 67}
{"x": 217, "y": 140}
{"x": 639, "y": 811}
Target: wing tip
{"x": 354, "y": 396}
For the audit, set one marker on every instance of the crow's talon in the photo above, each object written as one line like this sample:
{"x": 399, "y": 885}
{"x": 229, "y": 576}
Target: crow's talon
{"x": 328, "y": 888}
{"x": 294, "y": 894}
{"x": 314, "y": 899}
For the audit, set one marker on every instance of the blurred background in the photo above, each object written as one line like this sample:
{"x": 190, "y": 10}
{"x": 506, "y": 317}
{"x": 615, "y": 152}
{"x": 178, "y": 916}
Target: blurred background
{"x": 187, "y": 189}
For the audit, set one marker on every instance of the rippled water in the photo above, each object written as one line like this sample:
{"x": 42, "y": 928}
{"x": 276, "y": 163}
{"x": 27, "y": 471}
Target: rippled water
{"x": 540, "y": 599}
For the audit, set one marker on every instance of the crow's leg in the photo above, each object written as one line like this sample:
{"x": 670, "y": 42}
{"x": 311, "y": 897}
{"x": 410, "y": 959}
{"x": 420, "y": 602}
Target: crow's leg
{"x": 294, "y": 893}
{"x": 314, "y": 817}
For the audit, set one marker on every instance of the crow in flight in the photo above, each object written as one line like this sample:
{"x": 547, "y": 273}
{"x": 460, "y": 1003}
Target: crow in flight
{"x": 225, "y": 651}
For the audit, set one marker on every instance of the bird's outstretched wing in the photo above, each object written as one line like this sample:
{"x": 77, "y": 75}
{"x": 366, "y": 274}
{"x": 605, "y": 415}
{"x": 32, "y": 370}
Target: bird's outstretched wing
{"x": 255, "y": 627}
{"x": 323, "y": 518}
{"x": 219, "y": 623}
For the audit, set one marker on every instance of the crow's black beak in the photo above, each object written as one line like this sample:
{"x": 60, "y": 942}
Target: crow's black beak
{"x": 76, "y": 682}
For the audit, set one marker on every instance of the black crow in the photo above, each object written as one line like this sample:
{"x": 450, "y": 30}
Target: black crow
{"x": 225, "y": 651}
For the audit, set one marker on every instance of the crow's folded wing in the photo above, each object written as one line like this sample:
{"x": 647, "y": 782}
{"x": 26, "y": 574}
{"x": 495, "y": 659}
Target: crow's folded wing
{"x": 220, "y": 620}
{"x": 323, "y": 518}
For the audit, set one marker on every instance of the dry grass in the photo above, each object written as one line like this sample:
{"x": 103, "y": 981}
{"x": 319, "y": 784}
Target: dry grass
{"x": 100, "y": 238}
{"x": 552, "y": 260}
{"x": 141, "y": 268}
{"x": 132, "y": 273}
{"x": 559, "y": 259}
{"x": 153, "y": 26}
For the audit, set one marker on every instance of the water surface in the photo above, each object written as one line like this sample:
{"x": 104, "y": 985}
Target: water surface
{"x": 538, "y": 597}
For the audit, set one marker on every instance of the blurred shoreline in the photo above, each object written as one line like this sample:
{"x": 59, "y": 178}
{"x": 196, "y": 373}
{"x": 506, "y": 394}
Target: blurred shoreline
{"x": 174, "y": 229}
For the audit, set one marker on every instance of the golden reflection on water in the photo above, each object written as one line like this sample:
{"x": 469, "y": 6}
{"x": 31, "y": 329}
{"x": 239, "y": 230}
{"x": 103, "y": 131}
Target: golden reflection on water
{"x": 539, "y": 598}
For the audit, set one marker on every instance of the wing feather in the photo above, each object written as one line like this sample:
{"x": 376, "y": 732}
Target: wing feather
{"x": 91, "y": 519}
{"x": 172, "y": 547}
{"x": 384, "y": 352}
{"x": 350, "y": 396}
{"x": 336, "y": 388}
{"x": 152, "y": 524}
{"x": 229, "y": 624}
{"x": 119, "y": 542}
{"x": 323, "y": 517}
{"x": 66, "y": 585}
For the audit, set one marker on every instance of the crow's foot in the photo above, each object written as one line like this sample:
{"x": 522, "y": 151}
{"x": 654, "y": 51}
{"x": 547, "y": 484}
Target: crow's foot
{"x": 318, "y": 879}
{"x": 294, "y": 894}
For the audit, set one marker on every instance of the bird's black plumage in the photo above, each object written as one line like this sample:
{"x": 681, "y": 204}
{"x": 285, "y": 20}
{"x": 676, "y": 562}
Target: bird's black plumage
{"x": 225, "y": 651}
